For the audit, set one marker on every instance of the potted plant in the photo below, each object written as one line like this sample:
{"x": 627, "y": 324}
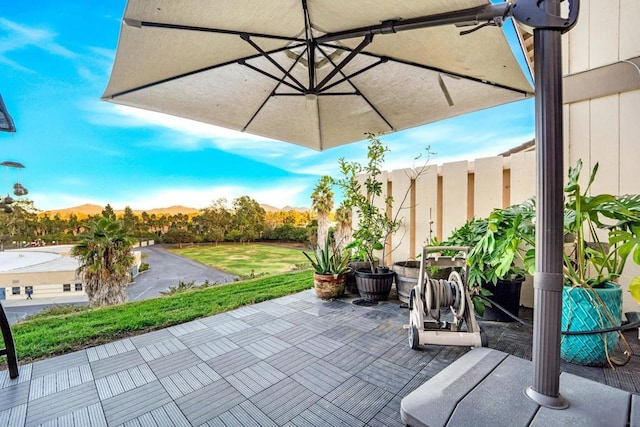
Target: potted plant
{"x": 603, "y": 231}
{"x": 501, "y": 248}
{"x": 374, "y": 224}
{"x": 330, "y": 270}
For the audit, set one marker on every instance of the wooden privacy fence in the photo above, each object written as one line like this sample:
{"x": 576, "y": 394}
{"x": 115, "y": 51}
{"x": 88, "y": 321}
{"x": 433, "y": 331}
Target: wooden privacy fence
{"x": 445, "y": 196}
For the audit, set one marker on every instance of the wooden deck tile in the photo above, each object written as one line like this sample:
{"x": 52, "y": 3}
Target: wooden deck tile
{"x": 274, "y": 309}
{"x": 284, "y": 400}
{"x": 275, "y": 326}
{"x": 322, "y": 414}
{"x": 214, "y": 348}
{"x": 342, "y": 333}
{"x": 168, "y": 415}
{"x": 24, "y": 375}
{"x": 245, "y": 414}
{"x": 373, "y": 345}
{"x": 295, "y": 335}
{"x": 174, "y": 363}
{"x": 389, "y": 416}
{"x": 56, "y": 405}
{"x": 350, "y": 359}
{"x": 13, "y": 396}
{"x": 58, "y": 363}
{"x": 291, "y": 360}
{"x": 189, "y": 380}
{"x": 321, "y": 377}
{"x": 230, "y": 327}
{"x": 253, "y": 379}
{"x": 246, "y": 336}
{"x": 59, "y": 381}
{"x": 359, "y": 398}
{"x": 124, "y": 381}
{"x": 243, "y": 312}
{"x": 134, "y": 403}
{"x": 109, "y": 350}
{"x": 161, "y": 349}
{"x": 209, "y": 402}
{"x": 320, "y": 345}
{"x": 402, "y": 355}
{"x": 259, "y": 318}
{"x": 202, "y": 336}
{"x": 267, "y": 347}
{"x": 232, "y": 361}
{"x": 187, "y": 328}
{"x": 151, "y": 338}
{"x": 14, "y": 416}
{"x": 386, "y": 375}
{"x": 102, "y": 368}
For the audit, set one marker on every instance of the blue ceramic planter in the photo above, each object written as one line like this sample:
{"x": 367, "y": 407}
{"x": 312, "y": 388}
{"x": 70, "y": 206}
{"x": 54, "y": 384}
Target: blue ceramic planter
{"x": 581, "y": 311}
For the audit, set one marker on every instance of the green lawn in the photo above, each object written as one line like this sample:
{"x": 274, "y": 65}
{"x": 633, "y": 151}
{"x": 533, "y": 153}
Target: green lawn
{"x": 251, "y": 260}
{"x": 50, "y": 334}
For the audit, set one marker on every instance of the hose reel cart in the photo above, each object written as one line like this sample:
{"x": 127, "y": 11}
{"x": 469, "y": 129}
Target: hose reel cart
{"x": 427, "y": 324}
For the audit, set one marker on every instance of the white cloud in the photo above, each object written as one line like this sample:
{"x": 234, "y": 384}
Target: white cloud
{"x": 17, "y": 37}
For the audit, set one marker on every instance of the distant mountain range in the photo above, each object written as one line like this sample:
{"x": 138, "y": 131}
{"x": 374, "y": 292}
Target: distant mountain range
{"x": 88, "y": 209}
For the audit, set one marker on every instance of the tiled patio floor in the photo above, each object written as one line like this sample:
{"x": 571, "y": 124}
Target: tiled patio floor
{"x": 295, "y": 361}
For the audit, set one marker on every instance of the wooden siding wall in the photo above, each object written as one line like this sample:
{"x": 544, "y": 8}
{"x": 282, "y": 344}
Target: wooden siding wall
{"x": 606, "y": 129}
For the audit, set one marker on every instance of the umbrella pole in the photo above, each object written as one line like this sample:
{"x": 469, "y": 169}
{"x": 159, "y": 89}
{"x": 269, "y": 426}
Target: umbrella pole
{"x": 548, "y": 278}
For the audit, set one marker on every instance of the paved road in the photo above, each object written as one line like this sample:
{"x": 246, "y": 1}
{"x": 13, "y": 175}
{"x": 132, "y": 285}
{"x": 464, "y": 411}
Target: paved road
{"x": 165, "y": 270}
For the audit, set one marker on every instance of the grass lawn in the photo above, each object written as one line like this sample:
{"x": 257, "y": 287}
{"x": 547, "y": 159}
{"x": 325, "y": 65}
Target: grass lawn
{"x": 250, "y": 260}
{"x": 49, "y": 334}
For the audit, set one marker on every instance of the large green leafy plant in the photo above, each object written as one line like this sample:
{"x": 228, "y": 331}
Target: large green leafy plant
{"x": 604, "y": 231}
{"x": 501, "y": 247}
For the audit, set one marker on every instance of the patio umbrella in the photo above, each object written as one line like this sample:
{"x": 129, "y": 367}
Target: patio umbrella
{"x": 376, "y": 65}
{"x": 244, "y": 65}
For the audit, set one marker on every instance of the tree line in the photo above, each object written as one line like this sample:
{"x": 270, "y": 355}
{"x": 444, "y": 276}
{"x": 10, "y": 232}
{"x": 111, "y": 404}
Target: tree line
{"x": 242, "y": 220}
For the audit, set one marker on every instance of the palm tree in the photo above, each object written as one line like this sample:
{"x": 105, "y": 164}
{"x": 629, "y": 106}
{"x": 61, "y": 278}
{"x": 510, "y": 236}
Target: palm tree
{"x": 105, "y": 261}
{"x": 344, "y": 220}
{"x": 322, "y": 204}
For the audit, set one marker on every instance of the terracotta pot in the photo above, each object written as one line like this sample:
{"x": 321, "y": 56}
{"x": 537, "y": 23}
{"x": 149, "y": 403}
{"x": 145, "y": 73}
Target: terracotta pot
{"x": 328, "y": 286}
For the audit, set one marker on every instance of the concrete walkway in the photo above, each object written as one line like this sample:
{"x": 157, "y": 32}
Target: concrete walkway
{"x": 294, "y": 361}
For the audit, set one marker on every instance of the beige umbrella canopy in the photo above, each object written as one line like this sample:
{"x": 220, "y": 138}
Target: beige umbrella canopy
{"x": 244, "y": 65}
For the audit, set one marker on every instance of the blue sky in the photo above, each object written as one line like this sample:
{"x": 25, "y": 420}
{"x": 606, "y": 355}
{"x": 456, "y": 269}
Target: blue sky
{"x": 55, "y": 60}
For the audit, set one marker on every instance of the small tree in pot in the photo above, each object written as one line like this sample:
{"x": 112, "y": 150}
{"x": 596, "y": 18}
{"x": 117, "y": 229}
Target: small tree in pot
{"x": 374, "y": 225}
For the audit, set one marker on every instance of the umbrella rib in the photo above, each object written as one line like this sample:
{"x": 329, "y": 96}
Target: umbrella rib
{"x": 191, "y": 73}
{"x": 135, "y": 23}
{"x": 430, "y": 68}
{"x": 350, "y": 76}
{"x": 273, "y": 61}
{"x": 271, "y": 76}
{"x": 271, "y": 94}
{"x": 337, "y": 69}
{"x": 358, "y": 92}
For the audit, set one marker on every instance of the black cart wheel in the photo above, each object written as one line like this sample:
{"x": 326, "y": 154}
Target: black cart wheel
{"x": 414, "y": 337}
